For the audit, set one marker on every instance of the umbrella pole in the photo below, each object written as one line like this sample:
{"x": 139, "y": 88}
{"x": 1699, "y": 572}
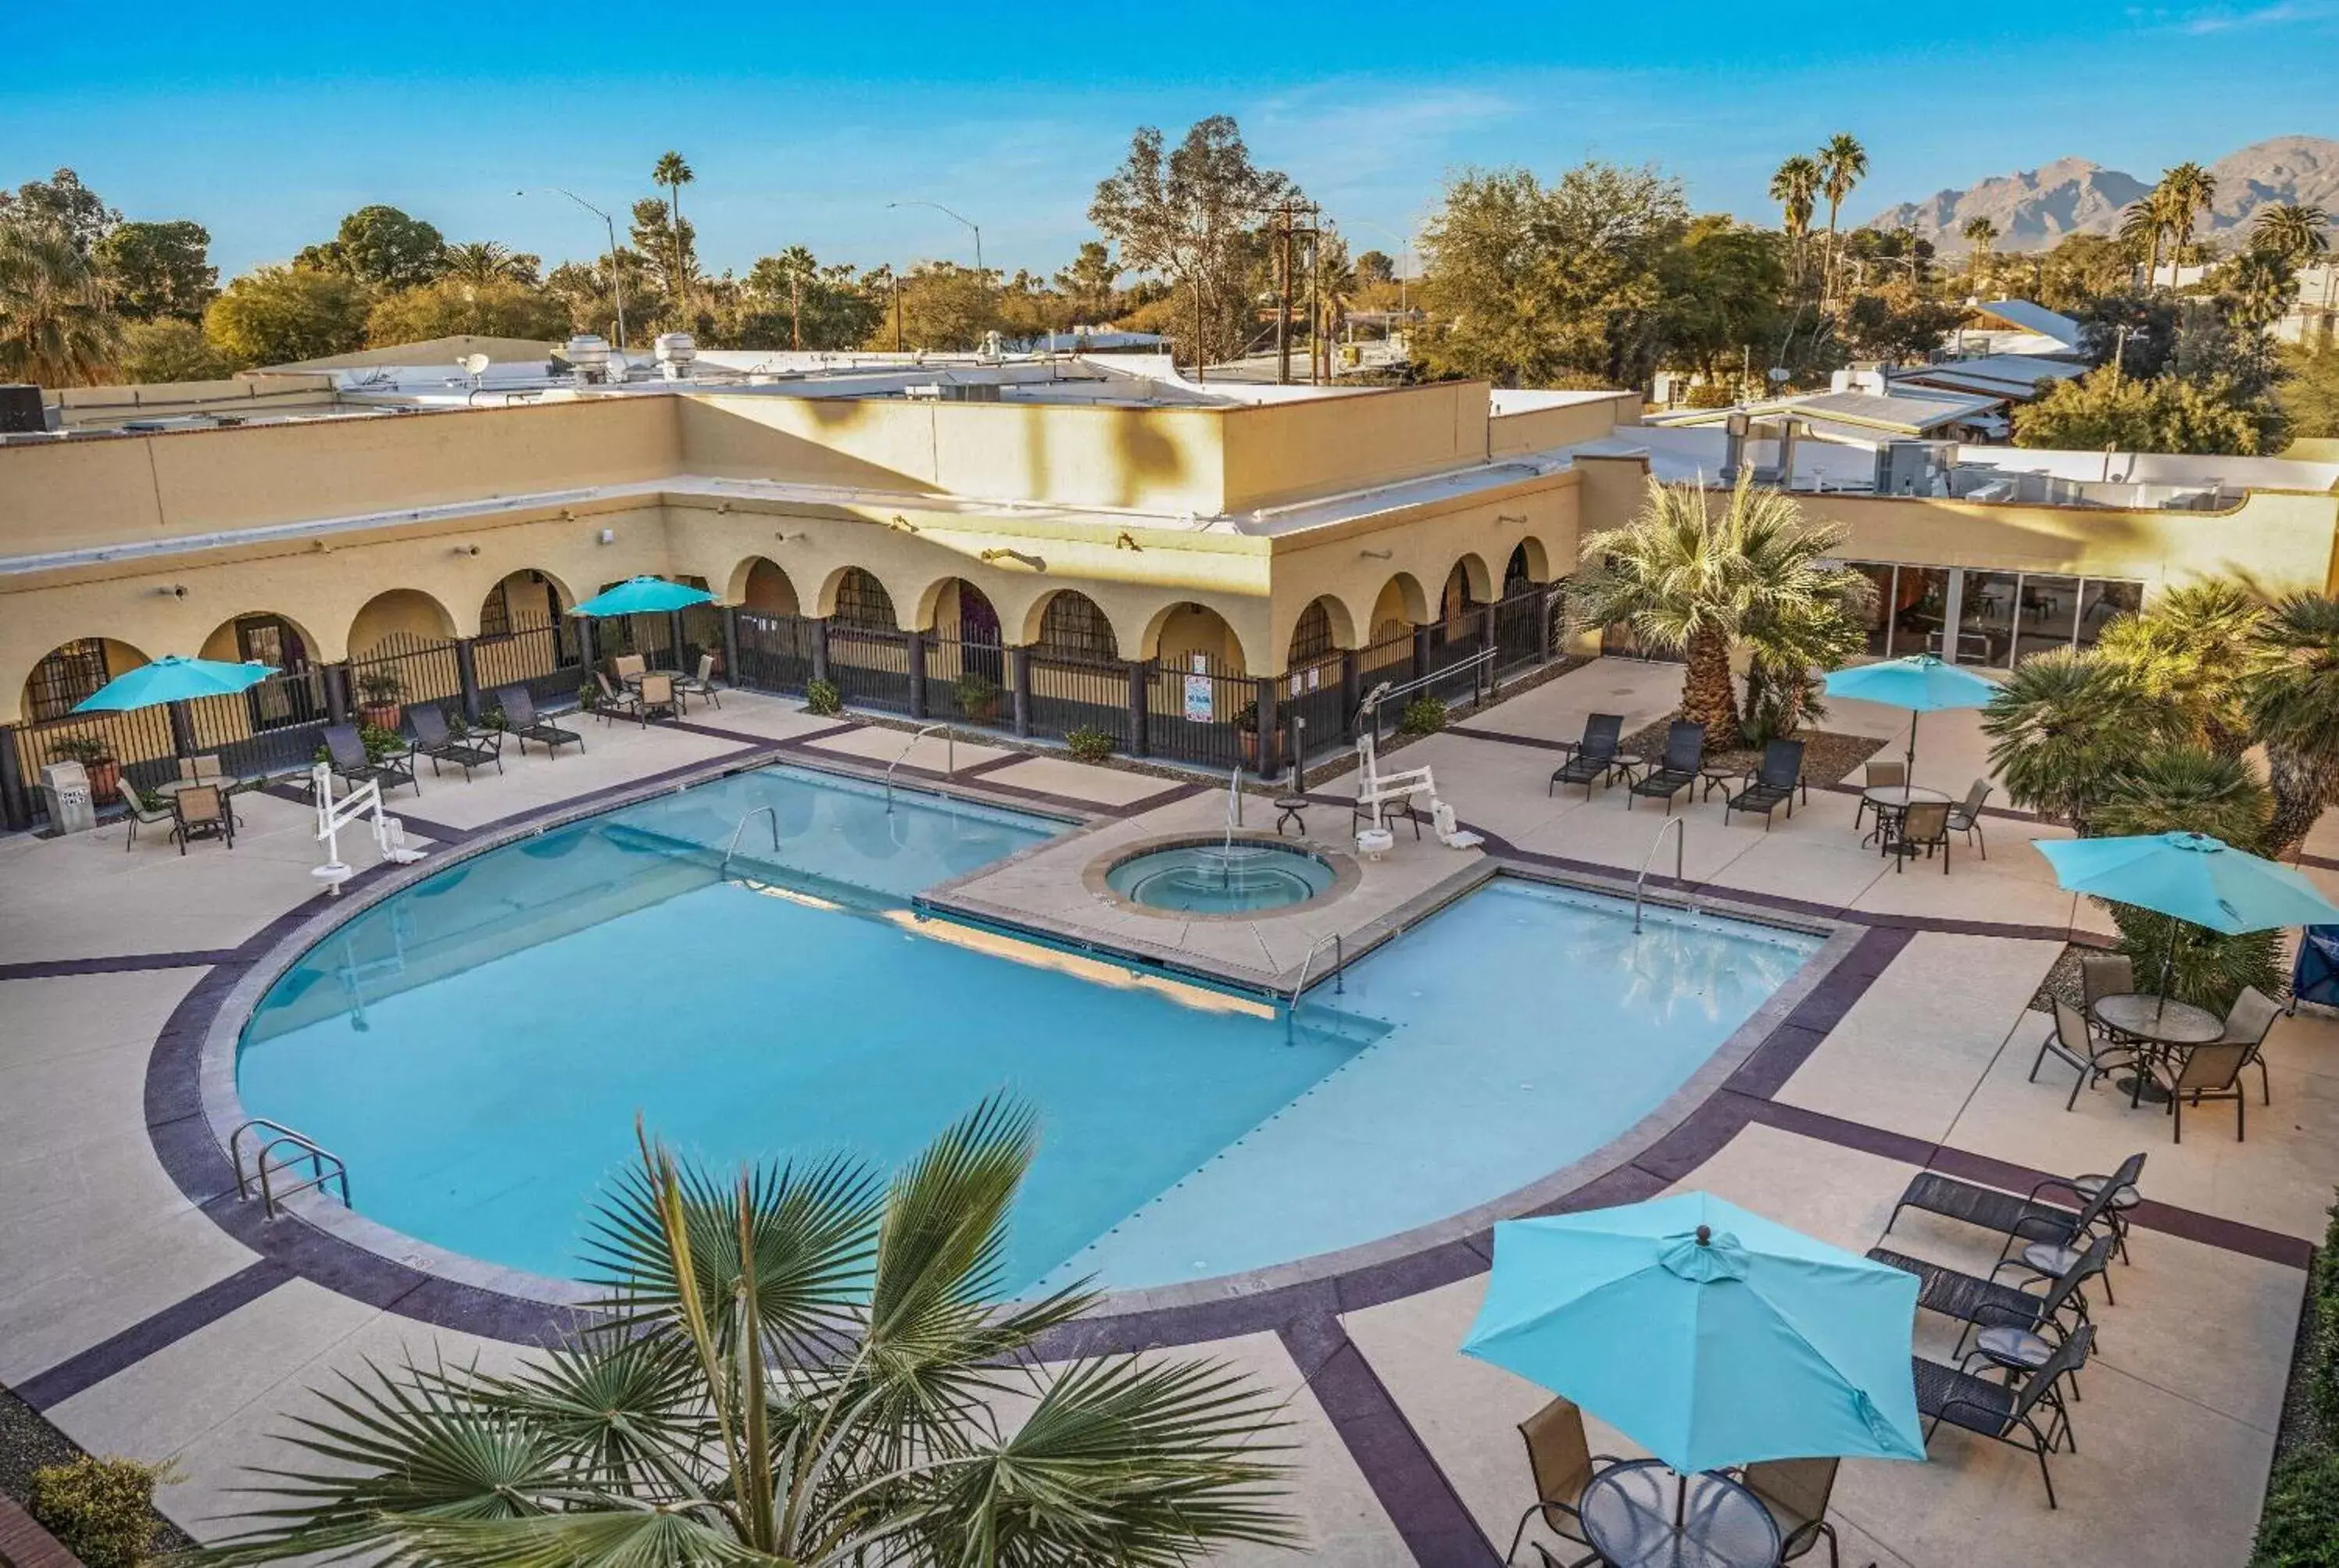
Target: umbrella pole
{"x": 1913, "y": 716}
{"x": 2167, "y": 968}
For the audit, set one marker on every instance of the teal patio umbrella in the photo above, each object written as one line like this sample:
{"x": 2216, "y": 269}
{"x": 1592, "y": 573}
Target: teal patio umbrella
{"x": 1710, "y": 1336}
{"x": 171, "y": 679}
{"x": 643, "y": 596}
{"x": 2199, "y": 880}
{"x": 1921, "y": 684}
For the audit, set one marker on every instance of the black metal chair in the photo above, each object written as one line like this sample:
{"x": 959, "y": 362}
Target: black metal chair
{"x": 1771, "y": 785}
{"x": 1965, "y": 817}
{"x": 2018, "y": 1217}
{"x": 346, "y": 754}
{"x": 1677, "y": 770}
{"x": 1594, "y": 760}
{"x": 523, "y": 724}
{"x": 437, "y": 741}
{"x": 2003, "y": 1414}
{"x": 1985, "y": 1303}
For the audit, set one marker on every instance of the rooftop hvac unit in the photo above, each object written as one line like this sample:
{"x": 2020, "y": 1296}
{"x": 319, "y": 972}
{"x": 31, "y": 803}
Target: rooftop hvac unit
{"x": 676, "y": 351}
{"x": 970, "y": 392}
{"x": 588, "y": 354}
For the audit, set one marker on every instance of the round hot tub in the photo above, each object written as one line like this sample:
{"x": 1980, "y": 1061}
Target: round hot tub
{"x": 1238, "y": 878}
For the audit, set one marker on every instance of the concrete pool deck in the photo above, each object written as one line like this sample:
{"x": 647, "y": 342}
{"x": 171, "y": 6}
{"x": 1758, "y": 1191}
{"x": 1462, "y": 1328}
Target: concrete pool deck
{"x": 138, "y": 1323}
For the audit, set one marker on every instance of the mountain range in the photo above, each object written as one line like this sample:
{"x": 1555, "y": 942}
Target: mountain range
{"x": 2038, "y": 207}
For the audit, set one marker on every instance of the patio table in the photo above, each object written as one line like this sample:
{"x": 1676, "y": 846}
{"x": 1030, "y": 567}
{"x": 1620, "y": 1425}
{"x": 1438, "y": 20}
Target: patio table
{"x": 1892, "y": 800}
{"x": 2159, "y": 1024}
{"x": 1630, "y": 1512}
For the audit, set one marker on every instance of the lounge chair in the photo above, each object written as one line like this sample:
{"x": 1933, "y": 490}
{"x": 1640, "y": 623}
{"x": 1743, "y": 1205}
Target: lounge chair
{"x": 1594, "y": 760}
{"x": 345, "y": 752}
{"x": 141, "y": 815}
{"x": 1796, "y": 1492}
{"x": 657, "y": 695}
{"x": 702, "y": 684}
{"x": 2016, "y": 1216}
{"x": 2091, "y": 1055}
{"x": 1965, "y": 817}
{"x": 434, "y": 740}
{"x": 1879, "y": 775}
{"x": 1563, "y": 1462}
{"x": 2212, "y": 1071}
{"x": 2005, "y": 1414}
{"x": 1924, "y": 825}
{"x": 202, "y": 812}
{"x": 2249, "y": 1022}
{"x": 615, "y": 703}
{"x": 523, "y": 724}
{"x": 1771, "y": 785}
{"x": 1983, "y": 1303}
{"x": 1677, "y": 770}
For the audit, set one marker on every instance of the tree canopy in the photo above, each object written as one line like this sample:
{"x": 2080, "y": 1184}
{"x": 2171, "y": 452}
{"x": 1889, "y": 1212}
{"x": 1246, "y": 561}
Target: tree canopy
{"x": 500, "y": 307}
{"x": 276, "y": 315}
{"x": 159, "y": 268}
{"x": 380, "y": 246}
{"x": 2162, "y": 414}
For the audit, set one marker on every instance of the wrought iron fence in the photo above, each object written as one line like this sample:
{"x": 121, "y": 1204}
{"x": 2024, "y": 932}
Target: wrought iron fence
{"x": 1070, "y": 694}
{"x": 870, "y": 667}
{"x": 1203, "y": 712}
{"x": 541, "y": 657}
{"x": 775, "y": 651}
{"x": 1522, "y": 624}
{"x": 966, "y": 682}
{"x": 1314, "y": 692}
{"x": 404, "y": 669}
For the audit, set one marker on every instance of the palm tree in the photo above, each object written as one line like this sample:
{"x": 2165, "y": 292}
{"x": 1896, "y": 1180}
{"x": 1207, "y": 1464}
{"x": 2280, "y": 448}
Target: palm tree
{"x": 2141, "y": 226}
{"x": 794, "y": 1367}
{"x": 2293, "y": 702}
{"x": 487, "y": 262}
{"x": 1699, "y": 579}
{"x": 1842, "y": 164}
{"x": 1796, "y": 188}
{"x": 1981, "y": 233}
{"x": 2063, "y": 725}
{"x": 2188, "y": 789}
{"x": 55, "y": 327}
{"x": 2192, "y": 652}
{"x": 2191, "y": 192}
{"x": 2293, "y": 232}
{"x": 672, "y": 173}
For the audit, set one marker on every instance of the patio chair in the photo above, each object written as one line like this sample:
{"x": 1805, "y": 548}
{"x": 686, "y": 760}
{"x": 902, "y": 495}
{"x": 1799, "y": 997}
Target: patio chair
{"x": 2103, "y": 975}
{"x": 1796, "y": 1492}
{"x": 1879, "y": 775}
{"x": 206, "y": 766}
{"x": 1773, "y": 785}
{"x": 2248, "y": 1023}
{"x": 202, "y": 812}
{"x": 702, "y": 684}
{"x": 2075, "y": 1047}
{"x": 1965, "y": 817}
{"x": 1563, "y": 1462}
{"x": 2212, "y": 1071}
{"x": 141, "y": 815}
{"x": 1677, "y": 770}
{"x": 523, "y": 724}
{"x": 629, "y": 664}
{"x": 1924, "y": 825}
{"x": 657, "y": 695}
{"x": 2018, "y": 1217}
{"x": 345, "y": 753}
{"x": 434, "y": 741}
{"x": 1982, "y": 1303}
{"x": 615, "y": 703}
{"x": 1594, "y": 760}
{"x": 2004, "y": 1413}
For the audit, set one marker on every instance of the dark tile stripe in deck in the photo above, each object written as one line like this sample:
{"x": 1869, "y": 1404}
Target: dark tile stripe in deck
{"x": 123, "y": 963}
{"x": 119, "y": 1352}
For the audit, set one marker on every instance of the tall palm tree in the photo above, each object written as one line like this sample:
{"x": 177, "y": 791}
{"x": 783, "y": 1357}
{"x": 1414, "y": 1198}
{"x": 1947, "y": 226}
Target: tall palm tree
{"x": 2191, "y": 193}
{"x": 55, "y": 327}
{"x": 1699, "y": 579}
{"x": 2063, "y": 725}
{"x": 2192, "y": 651}
{"x": 1796, "y": 188}
{"x": 2141, "y": 226}
{"x": 1843, "y": 161}
{"x": 2293, "y": 703}
{"x": 488, "y": 262}
{"x": 794, "y": 1367}
{"x": 672, "y": 173}
{"x": 1981, "y": 234}
{"x": 2291, "y": 231}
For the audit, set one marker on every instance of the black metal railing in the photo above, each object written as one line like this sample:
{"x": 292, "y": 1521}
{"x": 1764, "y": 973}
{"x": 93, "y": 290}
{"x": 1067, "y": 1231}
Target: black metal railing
{"x": 775, "y": 651}
{"x": 1079, "y": 693}
{"x": 967, "y": 682}
{"x": 871, "y": 668}
{"x": 1200, "y": 710}
{"x": 541, "y": 657}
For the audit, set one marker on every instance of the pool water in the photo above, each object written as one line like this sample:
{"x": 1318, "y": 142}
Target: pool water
{"x": 1219, "y": 878}
{"x": 477, "y": 1046}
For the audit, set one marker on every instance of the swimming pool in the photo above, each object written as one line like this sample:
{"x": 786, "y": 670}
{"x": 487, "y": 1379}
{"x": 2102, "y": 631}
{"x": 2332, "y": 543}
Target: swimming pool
{"x": 477, "y": 1046}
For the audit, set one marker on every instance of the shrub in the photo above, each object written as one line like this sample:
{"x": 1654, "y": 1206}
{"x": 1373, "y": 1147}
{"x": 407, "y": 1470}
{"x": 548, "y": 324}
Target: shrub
{"x": 1089, "y": 746}
{"x": 381, "y": 742}
{"x": 2300, "y": 1528}
{"x": 380, "y": 686}
{"x": 85, "y": 749}
{"x": 823, "y": 698}
{"x": 1424, "y": 715}
{"x": 977, "y": 695}
{"x": 99, "y": 1510}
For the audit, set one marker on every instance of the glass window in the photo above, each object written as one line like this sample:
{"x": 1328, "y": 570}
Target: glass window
{"x": 2050, "y": 609}
{"x": 1920, "y": 606}
{"x": 1879, "y": 613}
{"x": 2100, "y": 601}
{"x": 1986, "y": 619}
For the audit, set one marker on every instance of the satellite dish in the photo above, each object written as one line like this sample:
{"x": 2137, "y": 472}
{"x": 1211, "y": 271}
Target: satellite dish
{"x": 474, "y": 364}
{"x": 1778, "y": 373}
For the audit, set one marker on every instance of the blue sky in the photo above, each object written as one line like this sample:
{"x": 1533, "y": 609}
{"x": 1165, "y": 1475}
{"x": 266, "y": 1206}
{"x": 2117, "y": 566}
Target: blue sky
{"x": 266, "y": 122}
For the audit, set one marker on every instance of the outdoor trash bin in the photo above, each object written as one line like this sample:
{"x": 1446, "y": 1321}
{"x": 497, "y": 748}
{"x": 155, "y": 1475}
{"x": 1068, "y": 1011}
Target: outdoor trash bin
{"x": 71, "y": 810}
{"x": 2315, "y": 976}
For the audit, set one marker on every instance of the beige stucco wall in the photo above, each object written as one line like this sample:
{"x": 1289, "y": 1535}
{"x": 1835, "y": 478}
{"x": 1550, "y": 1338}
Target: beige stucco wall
{"x": 1540, "y": 429}
{"x": 1275, "y": 453}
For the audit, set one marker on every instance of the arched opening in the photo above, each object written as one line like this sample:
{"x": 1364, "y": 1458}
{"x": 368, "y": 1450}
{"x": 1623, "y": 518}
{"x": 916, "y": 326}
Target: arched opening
{"x": 1073, "y": 627}
{"x": 402, "y": 651}
{"x": 765, "y": 587}
{"x": 72, "y": 670}
{"x": 968, "y": 655}
{"x": 1523, "y": 571}
{"x": 862, "y": 602}
{"x": 1323, "y": 629}
{"x": 523, "y": 639}
{"x": 398, "y": 620}
{"x": 294, "y": 695}
{"x": 1194, "y": 637}
{"x": 1400, "y": 606}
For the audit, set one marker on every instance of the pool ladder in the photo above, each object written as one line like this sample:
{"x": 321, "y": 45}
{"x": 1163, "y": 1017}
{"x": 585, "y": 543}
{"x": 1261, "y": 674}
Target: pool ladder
{"x": 949, "y": 758}
{"x": 1340, "y": 962}
{"x": 1674, "y": 826}
{"x": 763, "y": 811}
{"x": 325, "y": 1168}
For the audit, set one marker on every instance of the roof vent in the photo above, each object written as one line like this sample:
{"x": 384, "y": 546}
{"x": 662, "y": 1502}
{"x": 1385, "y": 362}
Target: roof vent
{"x": 676, "y": 351}
{"x": 588, "y": 354}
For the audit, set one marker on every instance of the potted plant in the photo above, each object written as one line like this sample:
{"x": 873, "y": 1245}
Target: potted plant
{"x": 96, "y": 759}
{"x": 978, "y": 697}
{"x": 379, "y": 693}
{"x": 1246, "y": 734}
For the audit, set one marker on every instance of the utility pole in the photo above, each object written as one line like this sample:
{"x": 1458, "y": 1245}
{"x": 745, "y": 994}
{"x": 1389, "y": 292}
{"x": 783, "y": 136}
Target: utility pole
{"x": 1315, "y": 306}
{"x": 897, "y": 314}
{"x": 1283, "y": 295}
{"x": 795, "y": 311}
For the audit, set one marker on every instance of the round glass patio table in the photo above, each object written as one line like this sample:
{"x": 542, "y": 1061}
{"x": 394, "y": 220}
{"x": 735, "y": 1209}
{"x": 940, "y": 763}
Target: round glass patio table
{"x": 2159, "y": 1023}
{"x": 1892, "y": 800}
{"x": 1629, "y": 1513}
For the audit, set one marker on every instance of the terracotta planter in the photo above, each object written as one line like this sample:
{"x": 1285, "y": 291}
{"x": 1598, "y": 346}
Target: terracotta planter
{"x": 104, "y": 780}
{"x": 381, "y": 716}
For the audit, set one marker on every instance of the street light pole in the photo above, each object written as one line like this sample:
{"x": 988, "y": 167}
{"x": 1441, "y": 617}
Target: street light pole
{"x": 1404, "y": 248}
{"x": 975, "y": 228}
{"x": 617, "y": 272}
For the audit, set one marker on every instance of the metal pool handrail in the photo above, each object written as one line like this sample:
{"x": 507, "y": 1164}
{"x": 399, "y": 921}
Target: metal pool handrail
{"x": 742, "y": 827}
{"x": 1676, "y": 826}
{"x": 324, "y": 1166}
{"x": 1340, "y": 962}
{"x": 949, "y": 758}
